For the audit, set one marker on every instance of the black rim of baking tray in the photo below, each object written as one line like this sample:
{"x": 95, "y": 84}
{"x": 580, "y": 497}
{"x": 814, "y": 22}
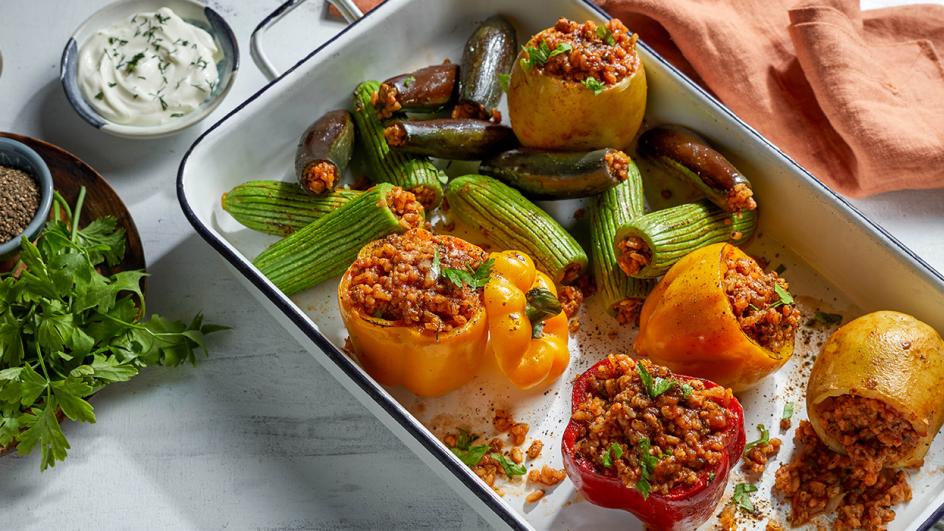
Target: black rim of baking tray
{"x": 371, "y": 388}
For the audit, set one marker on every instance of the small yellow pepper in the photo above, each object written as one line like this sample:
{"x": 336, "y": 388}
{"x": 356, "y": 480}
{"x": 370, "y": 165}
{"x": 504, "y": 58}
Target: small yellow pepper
{"x": 527, "y": 329}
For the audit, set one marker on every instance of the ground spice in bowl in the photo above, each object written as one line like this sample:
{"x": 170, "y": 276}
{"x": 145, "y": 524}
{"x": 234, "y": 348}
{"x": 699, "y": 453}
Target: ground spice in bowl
{"x": 19, "y": 201}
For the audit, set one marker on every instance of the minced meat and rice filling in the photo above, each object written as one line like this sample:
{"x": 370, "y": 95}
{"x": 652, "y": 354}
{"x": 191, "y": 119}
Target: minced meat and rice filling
{"x": 606, "y": 52}
{"x": 407, "y": 206}
{"x": 818, "y": 479}
{"x": 684, "y": 428}
{"x": 869, "y": 430}
{"x": 634, "y": 254}
{"x": 760, "y": 310}
{"x": 395, "y": 281}
{"x": 320, "y": 177}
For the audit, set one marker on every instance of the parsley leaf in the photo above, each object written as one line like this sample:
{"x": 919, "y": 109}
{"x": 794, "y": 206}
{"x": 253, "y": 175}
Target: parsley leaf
{"x": 787, "y": 411}
{"x": 647, "y": 465}
{"x": 409, "y": 80}
{"x": 764, "y": 438}
{"x": 658, "y": 386}
{"x": 742, "y": 496}
{"x": 468, "y": 454}
{"x": 538, "y": 55}
{"x": 828, "y": 319}
{"x": 511, "y": 469}
{"x": 435, "y": 269}
{"x": 785, "y": 297}
{"x": 504, "y": 80}
{"x": 687, "y": 390}
{"x": 593, "y": 84}
{"x": 605, "y": 35}
{"x": 474, "y": 278}
{"x": 67, "y": 330}
{"x": 615, "y": 451}
{"x": 472, "y": 456}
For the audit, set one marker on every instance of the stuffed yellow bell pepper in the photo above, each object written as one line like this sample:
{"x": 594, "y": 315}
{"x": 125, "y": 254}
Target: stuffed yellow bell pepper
{"x": 717, "y": 315}
{"x": 412, "y": 305}
{"x": 528, "y": 330}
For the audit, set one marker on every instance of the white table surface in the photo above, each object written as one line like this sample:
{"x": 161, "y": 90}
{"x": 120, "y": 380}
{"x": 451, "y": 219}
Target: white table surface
{"x": 258, "y": 435}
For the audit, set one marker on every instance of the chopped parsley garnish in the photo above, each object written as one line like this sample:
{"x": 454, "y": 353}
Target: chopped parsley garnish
{"x": 474, "y": 278}
{"x": 711, "y": 478}
{"x": 511, "y": 469}
{"x": 199, "y": 63}
{"x": 112, "y": 84}
{"x": 787, "y": 411}
{"x": 468, "y": 454}
{"x": 100, "y": 95}
{"x": 161, "y": 19}
{"x": 742, "y": 496}
{"x": 764, "y": 438}
{"x": 504, "y": 80}
{"x": 615, "y": 451}
{"x": 647, "y": 465}
{"x": 593, "y": 84}
{"x": 177, "y": 115}
{"x": 435, "y": 268}
{"x": 605, "y": 35}
{"x": 163, "y": 103}
{"x": 828, "y": 318}
{"x": 785, "y": 297}
{"x": 538, "y": 55}
{"x": 658, "y": 385}
{"x": 409, "y": 80}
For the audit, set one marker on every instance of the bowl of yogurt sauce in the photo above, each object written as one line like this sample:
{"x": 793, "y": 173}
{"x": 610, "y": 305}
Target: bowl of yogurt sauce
{"x": 147, "y": 69}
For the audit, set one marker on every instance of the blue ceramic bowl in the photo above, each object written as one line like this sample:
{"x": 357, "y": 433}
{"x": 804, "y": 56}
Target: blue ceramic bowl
{"x": 190, "y": 10}
{"x": 15, "y": 154}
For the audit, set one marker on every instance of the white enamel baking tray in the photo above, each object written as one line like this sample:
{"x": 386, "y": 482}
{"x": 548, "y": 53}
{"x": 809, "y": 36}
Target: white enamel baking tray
{"x": 836, "y": 259}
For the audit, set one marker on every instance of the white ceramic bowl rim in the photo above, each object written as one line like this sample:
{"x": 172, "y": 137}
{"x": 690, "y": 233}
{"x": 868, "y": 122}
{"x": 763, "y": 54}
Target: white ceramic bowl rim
{"x": 213, "y": 23}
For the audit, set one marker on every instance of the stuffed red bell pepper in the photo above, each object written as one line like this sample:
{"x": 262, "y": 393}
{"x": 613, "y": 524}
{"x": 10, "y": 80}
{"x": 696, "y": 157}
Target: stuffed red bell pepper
{"x": 651, "y": 442}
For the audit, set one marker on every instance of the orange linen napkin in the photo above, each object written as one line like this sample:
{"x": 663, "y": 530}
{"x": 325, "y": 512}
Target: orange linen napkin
{"x": 855, "y": 97}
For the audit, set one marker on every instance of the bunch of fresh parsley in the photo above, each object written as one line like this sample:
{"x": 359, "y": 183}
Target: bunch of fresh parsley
{"x": 67, "y": 330}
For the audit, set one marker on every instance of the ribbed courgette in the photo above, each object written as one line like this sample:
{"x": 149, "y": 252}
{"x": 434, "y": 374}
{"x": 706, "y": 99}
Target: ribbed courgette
{"x": 512, "y": 222}
{"x": 327, "y": 246}
{"x": 543, "y": 174}
{"x": 412, "y": 173}
{"x": 324, "y": 151}
{"x": 646, "y": 247}
{"x": 280, "y": 208}
{"x": 622, "y": 295}
{"x": 451, "y": 139}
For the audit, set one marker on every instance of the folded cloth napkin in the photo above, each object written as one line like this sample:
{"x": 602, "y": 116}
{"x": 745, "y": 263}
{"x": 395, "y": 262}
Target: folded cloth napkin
{"x": 855, "y": 97}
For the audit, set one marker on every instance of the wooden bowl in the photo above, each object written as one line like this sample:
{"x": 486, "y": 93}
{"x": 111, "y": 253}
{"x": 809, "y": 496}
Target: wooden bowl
{"x": 69, "y": 175}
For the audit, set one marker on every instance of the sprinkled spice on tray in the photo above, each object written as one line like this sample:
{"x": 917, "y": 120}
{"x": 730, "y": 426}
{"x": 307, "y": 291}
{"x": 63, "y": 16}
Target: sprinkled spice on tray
{"x": 19, "y": 200}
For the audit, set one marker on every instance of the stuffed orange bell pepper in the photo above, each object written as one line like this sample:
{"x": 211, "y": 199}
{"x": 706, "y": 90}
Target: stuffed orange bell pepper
{"x": 412, "y": 305}
{"x": 528, "y": 330}
{"x": 717, "y": 315}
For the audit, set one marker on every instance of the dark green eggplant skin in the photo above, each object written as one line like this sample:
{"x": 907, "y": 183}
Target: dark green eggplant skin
{"x": 425, "y": 90}
{"x": 490, "y": 51}
{"x": 450, "y": 139}
{"x": 687, "y": 155}
{"x": 549, "y": 175}
{"x": 329, "y": 139}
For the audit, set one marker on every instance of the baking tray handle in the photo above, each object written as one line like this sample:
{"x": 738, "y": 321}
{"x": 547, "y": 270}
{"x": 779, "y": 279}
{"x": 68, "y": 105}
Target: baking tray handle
{"x": 349, "y": 11}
